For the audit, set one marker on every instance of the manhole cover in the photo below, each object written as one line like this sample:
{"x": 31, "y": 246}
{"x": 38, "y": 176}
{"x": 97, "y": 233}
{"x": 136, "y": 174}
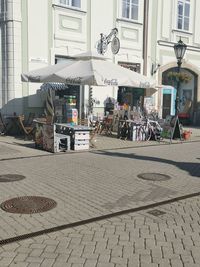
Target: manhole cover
{"x": 156, "y": 212}
{"x": 28, "y": 204}
{"x": 154, "y": 176}
{"x": 11, "y": 178}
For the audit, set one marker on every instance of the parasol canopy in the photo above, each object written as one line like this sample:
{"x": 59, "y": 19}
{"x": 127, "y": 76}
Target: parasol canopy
{"x": 91, "y": 69}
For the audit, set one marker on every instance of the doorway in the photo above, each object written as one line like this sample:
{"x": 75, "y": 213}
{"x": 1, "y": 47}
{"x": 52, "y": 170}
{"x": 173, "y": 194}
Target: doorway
{"x": 167, "y": 101}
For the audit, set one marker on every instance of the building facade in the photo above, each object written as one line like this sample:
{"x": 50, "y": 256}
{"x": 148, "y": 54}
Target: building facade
{"x": 37, "y": 33}
{"x": 170, "y": 21}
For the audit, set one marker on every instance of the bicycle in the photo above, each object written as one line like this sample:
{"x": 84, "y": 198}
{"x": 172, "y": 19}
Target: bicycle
{"x": 149, "y": 130}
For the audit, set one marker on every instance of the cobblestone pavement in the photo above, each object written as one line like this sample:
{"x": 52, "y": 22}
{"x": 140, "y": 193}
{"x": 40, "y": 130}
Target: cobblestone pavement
{"x": 91, "y": 184}
{"x": 107, "y": 142}
{"x": 140, "y": 239}
{"x": 11, "y": 147}
{"x": 96, "y": 183}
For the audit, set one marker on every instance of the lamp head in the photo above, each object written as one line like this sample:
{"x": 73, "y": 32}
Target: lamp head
{"x": 179, "y": 50}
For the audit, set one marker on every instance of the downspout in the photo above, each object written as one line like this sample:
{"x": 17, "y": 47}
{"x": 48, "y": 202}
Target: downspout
{"x": 89, "y": 39}
{"x": 10, "y": 51}
{"x": 3, "y": 91}
{"x": 145, "y": 35}
{"x": 115, "y": 3}
{"x": 6, "y": 47}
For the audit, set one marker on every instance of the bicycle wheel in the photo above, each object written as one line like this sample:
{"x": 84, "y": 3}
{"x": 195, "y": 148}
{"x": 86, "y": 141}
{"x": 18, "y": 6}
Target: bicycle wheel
{"x": 144, "y": 133}
{"x": 148, "y": 133}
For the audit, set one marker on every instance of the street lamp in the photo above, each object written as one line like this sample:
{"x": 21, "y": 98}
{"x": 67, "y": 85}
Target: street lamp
{"x": 179, "y": 50}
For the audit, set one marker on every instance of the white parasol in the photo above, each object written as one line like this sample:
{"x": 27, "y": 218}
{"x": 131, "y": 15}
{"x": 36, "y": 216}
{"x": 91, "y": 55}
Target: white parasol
{"x": 92, "y": 69}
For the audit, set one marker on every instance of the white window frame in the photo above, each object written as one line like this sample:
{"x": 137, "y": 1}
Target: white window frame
{"x": 126, "y": 2}
{"x": 69, "y": 3}
{"x": 183, "y": 16}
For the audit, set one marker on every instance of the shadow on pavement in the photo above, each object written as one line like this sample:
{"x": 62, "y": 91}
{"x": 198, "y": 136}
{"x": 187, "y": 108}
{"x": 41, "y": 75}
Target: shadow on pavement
{"x": 191, "y": 167}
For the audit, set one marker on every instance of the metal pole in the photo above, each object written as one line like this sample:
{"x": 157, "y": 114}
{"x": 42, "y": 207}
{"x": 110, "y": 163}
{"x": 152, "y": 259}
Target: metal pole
{"x": 177, "y": 101}
{"x": 145, "y": 35}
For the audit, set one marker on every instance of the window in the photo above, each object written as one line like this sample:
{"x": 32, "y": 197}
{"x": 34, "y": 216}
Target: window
{"x": 183, "y": 15}
{"x": 72, "y": 3}
{"x": 130, "y": 9}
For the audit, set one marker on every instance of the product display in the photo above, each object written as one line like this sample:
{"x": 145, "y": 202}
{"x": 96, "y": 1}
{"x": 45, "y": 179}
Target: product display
{"x": 80, "y": 135}
{"x": 48, "y": 139}
{"x": 72, "y": 116}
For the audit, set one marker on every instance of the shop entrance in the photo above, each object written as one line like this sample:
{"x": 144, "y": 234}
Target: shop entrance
{"x": 131, "y": 97}
{"x": 166, "y": 110}
{"x": 187, "y": 91}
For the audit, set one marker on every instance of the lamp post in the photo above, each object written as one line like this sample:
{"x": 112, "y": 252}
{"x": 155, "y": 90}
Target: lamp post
{"x": 179, "y": 50}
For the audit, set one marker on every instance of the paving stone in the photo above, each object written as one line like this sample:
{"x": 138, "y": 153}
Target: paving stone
{"x": 177, "y": 263}
{"x": 128, "y": 240}
{"x": 34, "y": 259}
{"x": 76, "y": 260}
{"x": 6, "y": 261}
{"x": 91, "y": 263}
{"x": 19, "y": 264}
{"x": 110, "y": 264}
{"x": 48, "y": 262}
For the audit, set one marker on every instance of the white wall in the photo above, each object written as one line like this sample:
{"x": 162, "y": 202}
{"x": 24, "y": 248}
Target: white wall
{"x": 37, "y": 37}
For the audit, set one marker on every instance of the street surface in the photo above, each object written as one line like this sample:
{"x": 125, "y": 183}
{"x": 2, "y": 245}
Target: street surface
{"x": 135, "y": 240}
{"x": 89, "y": 185}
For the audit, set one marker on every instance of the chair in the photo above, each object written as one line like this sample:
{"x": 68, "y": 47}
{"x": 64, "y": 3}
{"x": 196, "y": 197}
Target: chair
{"x": 27, "y": 128}
{"x": 29, "y": 122}
{"x": 107, "y": 125}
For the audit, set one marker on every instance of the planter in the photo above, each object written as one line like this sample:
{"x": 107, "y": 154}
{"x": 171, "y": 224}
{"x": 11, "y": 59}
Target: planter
{"x": 186, "y": 135}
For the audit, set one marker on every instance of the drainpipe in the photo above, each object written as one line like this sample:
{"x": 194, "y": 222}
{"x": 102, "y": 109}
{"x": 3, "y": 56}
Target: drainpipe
{"x": 89, "y": 45}
{"x": 7, "y": 51}
{"x": 145, "y": 35}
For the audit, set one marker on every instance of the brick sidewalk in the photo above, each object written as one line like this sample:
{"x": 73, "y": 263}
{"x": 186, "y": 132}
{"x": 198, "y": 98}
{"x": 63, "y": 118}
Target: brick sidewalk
{"x": 96, "y": 183}
{"x": 171, "y": 239}
{"x": 91, "y": 184}
{"x": 14, "y": 147}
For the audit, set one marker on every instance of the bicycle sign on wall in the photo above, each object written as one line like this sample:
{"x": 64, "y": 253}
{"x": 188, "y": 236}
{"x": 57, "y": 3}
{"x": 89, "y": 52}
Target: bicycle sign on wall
{"x": 102, "y": 44}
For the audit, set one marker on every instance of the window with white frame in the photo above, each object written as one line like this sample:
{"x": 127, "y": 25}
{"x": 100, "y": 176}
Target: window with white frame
{"x": 130, "y": 9}
{"x": 183, "y": 15}
{"x": 72, "y": 3}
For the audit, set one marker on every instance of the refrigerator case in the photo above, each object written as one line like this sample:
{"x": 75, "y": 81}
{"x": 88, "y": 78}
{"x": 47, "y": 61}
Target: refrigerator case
{"x": 72, "y": 116}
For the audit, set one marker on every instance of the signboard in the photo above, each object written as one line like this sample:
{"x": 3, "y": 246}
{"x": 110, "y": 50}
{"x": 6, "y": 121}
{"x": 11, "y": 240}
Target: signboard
{"x": 171, "y": 128}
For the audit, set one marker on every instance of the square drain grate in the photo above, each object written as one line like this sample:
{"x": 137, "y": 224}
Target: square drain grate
{"x": 156, "y": 213}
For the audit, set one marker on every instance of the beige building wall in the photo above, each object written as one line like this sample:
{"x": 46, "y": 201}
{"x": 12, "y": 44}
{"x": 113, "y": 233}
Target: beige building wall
{"x": 37, "y": 31}
{"x": 164, "y": 16}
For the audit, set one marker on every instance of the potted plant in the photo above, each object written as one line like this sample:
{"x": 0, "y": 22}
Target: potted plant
{"x": 182, "y": 77}
{"x": 186, "y": 135}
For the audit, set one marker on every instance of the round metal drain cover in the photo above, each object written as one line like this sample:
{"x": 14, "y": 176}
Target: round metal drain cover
{"x": 154, "y": 176}
{"x": 11, "y": 178}
{"x": 28, "y": 204}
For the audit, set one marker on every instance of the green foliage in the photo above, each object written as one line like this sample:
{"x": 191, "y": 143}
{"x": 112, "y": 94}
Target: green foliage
{"x": 182, "y": 77}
